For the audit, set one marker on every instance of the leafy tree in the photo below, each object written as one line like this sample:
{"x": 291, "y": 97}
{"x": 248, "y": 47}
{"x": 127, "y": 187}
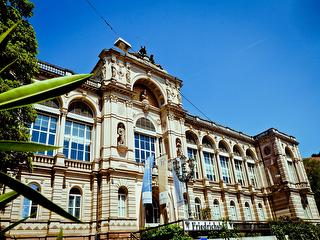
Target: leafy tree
{"x": 312, "y": 167}
{"x": 18, "y": 66}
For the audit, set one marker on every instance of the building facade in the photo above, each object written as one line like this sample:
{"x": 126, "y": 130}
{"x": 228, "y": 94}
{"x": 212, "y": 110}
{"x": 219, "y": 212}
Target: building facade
{"x": 130, "y": 109}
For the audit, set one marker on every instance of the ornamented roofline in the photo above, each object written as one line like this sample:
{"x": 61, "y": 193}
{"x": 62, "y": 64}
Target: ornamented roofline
{"x": 147, "y": 65}
{"x": 277, "y": 133}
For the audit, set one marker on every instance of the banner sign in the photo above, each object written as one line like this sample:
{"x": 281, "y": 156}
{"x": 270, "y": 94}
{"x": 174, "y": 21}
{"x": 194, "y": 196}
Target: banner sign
{"x": 203, "y": 225}
{"x": 177, "y": 189}
{"x": 147, "y": 181}
{"x": 163, "y": 179}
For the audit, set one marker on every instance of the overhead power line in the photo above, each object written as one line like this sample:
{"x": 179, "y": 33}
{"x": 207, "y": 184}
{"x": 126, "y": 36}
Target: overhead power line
{"x": 102, "y": 18}
{"x": 195, "y": 107}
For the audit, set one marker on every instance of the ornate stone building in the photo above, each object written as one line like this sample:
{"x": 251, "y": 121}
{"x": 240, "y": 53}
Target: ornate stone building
{"x": 131, "y": 108}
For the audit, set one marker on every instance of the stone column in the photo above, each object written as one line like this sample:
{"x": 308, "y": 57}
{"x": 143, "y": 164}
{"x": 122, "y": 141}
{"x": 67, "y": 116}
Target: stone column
{"x": 202, "y": 164}
{"x": 216, "y": 155}
{"x": 233, "y": 169}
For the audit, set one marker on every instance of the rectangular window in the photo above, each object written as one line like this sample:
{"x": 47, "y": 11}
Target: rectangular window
{"x": 251, "y": 173}
{"x": 192, "y": 154}
{"x": 292, "y": 172}
{"x": 144, "y": 147}
{"x": 75, "y": 205}
{"x": 224, "y": 162}
{"x": 208, "y": 159}
{"x": 77, "y": 141}
{"x": 238, "y": 169}
{"x": 43, "y": 130}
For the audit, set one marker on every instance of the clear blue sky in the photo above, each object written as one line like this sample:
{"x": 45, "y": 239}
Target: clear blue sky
{"x": 249, "y": 65}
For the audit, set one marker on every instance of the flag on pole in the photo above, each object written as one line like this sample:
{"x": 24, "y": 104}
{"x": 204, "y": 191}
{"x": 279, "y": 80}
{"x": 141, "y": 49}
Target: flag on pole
{"x": 163, "y": 179}
{"x": 177, "y": 189}
{"x": 147, "y": 181}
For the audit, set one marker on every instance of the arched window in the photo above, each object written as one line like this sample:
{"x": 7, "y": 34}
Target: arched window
{"x": 144, "y": 143}
{"x": 233, "y": 211}
{"x": 223, "y": 147}
{"x": 291, "y": 168}
{"x": 122, "y": 202}
{"x": 145, "y": 124}
{"x": 261, "y": 212}
{"x": 216, "y": 210}
{"x": 208, "y": 158}
{"x": 29, "y": 207}
{"x": 152, "y": 212}
{"x": 75, "y": 202}
{"x": 43, "y": 130}
{"x": 77, "y": 135}
{"x": 247, "y": 212}
{"x": 81, "y": 109}
{"x": 249, "y": 154}
{"x": 236, "y": 151}
{"x": 197, "y": 208}
{"x": 192, "y": 152}
{"x": 207, "y": 143}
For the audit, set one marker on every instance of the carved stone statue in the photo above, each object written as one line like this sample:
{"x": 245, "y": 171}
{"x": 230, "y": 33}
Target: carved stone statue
{"x": 113, "y": 71}
{"x": 178, "y": 147}
{"x": 145, "y": 100}
{"x": 128, "y": 73}
{"x": 144, "y": 95}
{"x": 121, "y": 135}
{"x": 143, "y": 51}
{"x": 104, "y": 69}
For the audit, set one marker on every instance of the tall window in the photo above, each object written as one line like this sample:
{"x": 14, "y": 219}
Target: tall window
{"x": 122, "y": 203}
{"x": 75, "y": 202}
{"x": 197, "y": 208}
{"x": 224, "y": 163}
{"x": 239, "y": 172}
{"x": 306, "y": 207}
{"x": 29, "y": 207}
{"x": 216, "y": 210}
{"x": 251, "y": 174}
{"x": 192, "y": 153}
{"x": 233, "y": 211}
{"x": 144, "y": 147}
{"x": 208, "y": 160}
{"x": 77, "y": 141}
{"x": 144, "y": 143}
{"x": 247, "y": 212}
{"x": 291, "y": 169}
{"x": 261, "y": 212}
{"x": 43, "y": 130}
{"x": 152, "y": 212}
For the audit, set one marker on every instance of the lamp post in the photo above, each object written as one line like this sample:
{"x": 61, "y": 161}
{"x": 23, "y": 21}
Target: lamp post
{"x": 184, "y": 169}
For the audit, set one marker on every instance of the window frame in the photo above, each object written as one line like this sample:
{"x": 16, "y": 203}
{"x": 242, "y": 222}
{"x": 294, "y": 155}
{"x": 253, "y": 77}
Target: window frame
{"x": 28, "y": 204}
{"x": 74, "y": 201}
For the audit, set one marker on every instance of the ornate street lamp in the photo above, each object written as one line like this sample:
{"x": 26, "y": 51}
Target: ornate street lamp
{"x": 184, "y": 169}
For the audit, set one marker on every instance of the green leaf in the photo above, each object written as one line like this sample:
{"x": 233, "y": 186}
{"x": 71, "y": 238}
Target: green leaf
{"x": 35, "y": 196}
{"x": 13, "y": 225}
{"x": 40, "y": 91}
{"x": 6, "y": 33}
{"x": 7, "y": 197}
{"x": 8, "y": 145}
